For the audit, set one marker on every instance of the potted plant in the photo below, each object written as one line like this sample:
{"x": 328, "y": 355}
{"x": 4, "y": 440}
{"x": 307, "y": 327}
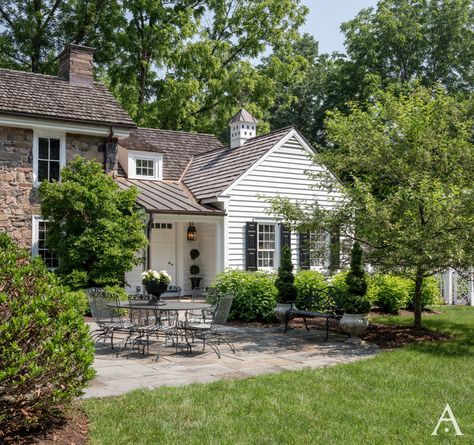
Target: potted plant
{"x": 285, "y": 284}
{"x": 156, "y": 282}
{"x": 355, "y": 303}
{"x": 194, "y": 269}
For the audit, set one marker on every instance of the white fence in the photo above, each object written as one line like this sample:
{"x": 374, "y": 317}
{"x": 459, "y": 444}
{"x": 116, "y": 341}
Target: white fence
{"x": 457, "y": 287}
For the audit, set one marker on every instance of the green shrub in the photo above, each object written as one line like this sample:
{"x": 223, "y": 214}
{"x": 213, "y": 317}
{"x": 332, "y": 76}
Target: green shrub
{"x": 254, "y": 294}
{"x": 285, "y": 282}
{"x": 45, "y": 347}
{"x": 309, "y": 283}
{"x": 389, "y": 292}
{"x": 339, "y": 285}
{"x": 80, "y": 300}
{"x": 356, "y": 301}
{"x": 430, "y": 293}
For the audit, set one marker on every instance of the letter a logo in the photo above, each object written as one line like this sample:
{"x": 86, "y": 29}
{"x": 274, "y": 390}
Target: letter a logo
{"x": 449, "y": 418}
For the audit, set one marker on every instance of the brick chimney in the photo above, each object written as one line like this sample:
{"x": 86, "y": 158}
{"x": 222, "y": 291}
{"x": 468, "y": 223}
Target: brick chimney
{"x": 75, "y": 65}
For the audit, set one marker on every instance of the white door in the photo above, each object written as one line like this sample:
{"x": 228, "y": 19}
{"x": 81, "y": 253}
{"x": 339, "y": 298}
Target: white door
{"x": 163, "y": 248}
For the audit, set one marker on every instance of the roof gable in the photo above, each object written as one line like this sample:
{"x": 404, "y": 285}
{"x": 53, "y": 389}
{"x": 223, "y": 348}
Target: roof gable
{"x": 38, "y": 95}
{"x": 213, "y": 172}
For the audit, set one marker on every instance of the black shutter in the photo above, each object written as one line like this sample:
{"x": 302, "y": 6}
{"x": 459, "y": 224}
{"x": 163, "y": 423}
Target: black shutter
{"x": 304, "y": 251}
{"x": 251, "y": 246}
{"x": 285, "y": 236}
{"x": 335, "y": 250}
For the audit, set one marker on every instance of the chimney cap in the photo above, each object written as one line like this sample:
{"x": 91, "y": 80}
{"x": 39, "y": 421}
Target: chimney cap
{"x": 243, "y": 116}
{"x": 86, "y": 49}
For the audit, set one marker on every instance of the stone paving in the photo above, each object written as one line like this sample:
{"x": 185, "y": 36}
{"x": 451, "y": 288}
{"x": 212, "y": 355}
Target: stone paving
{"x": 258, "y": 351}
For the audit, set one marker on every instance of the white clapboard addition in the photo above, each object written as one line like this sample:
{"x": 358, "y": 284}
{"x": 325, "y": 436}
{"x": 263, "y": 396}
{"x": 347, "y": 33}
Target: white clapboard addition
{"x": 284, "y": 171}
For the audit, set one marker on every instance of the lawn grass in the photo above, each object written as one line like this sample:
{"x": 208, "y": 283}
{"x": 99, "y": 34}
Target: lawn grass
{"x": 393, "y": 398}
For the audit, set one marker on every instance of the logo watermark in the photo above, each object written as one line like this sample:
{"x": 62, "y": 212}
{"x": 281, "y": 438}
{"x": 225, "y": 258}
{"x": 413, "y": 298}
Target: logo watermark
{"x": 448, "y": 416}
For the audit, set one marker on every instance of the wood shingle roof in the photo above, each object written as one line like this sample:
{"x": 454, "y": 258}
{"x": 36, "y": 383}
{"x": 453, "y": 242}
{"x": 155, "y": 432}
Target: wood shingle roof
{"x": 39, "y": 95}
{"x": 211, "y": 173}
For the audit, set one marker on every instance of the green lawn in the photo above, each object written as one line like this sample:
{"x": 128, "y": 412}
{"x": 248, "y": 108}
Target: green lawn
{"x": 394, "y": 398}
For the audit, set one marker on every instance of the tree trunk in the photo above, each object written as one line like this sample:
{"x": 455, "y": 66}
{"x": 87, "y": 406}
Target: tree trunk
{"x": 417, "y": 299}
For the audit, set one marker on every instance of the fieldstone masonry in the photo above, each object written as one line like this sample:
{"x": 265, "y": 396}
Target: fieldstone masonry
{"x": 18, "y": 199}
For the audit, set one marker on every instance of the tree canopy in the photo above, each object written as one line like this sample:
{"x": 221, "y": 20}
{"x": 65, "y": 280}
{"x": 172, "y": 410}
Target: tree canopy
{"x": 93, "y": 225}
{"x": 408, "y": 160}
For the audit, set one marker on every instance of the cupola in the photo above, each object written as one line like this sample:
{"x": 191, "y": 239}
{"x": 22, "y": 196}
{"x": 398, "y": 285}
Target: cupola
{"x": 243, "y": 126}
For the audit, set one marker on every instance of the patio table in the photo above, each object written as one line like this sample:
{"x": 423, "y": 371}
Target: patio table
{"x": 174, "y": 306}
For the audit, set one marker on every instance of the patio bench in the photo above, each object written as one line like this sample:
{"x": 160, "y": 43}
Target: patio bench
{"x": 317, "y": 305}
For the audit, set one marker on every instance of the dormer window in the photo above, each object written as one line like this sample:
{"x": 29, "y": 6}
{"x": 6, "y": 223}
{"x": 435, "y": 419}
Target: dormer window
{"x": 141, "y": 164}
{"x": 145, "y": 167}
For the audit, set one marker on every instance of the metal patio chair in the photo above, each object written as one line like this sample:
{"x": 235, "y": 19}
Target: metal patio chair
{"x": 208, "y": 326}
{"x": 107, "y": 314}
{"x": 172, "y": 293}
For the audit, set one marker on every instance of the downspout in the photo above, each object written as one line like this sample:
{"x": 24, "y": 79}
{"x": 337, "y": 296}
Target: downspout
{"x": 148, "y": 255}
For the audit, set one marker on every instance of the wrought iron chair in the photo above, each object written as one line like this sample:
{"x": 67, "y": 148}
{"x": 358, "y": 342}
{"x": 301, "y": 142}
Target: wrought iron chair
{"x": 163, "y": 328}
{"x": 107, "y": 314}
{"x": 172, "y": 293}
{"x": 208, "y": 327}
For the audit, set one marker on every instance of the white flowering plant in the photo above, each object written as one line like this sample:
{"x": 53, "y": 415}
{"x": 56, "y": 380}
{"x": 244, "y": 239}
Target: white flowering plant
{"x": 154, "y": 277}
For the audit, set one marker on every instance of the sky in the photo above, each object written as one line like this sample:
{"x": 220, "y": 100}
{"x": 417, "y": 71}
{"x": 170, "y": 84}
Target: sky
{"x": 325, "y": 18}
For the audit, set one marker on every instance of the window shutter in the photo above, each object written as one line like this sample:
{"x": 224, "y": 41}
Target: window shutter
{"x": 285, "y": 236}
{"x": 304, "y": 251}
{"x": 335, "y": 250}
{"x": 251, "y": 246}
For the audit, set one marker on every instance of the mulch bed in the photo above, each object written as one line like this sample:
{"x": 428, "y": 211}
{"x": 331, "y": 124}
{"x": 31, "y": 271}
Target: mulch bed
{"x": 73, "y": 429}
{"x": 384, "y": 336}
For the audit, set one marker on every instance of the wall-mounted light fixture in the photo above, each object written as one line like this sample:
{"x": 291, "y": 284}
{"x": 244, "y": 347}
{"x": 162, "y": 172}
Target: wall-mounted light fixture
{"x": 192, "y": 233}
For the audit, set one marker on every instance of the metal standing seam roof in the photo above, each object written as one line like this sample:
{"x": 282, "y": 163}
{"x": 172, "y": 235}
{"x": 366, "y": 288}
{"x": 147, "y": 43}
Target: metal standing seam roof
{"x": 212, "y": 172}
{"x": 166, "y": 197}
{"x": 50, "y": 97}
{"x": 178, "y": 147}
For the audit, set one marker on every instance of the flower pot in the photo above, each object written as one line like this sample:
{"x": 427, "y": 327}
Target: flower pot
{"x": 195, "y": 282}
{"x": 354, "y": 325}
{"x": 280, "y": 312}
{"x": 156, "y": 289}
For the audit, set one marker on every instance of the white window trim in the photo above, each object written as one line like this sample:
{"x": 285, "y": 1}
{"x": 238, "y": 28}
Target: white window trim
{"x": 35, "y": 235}
{"x": 62, "y": 151}
{"x": 276, "y": 252}
{"x": 327, "y": 257}
{"x": 146, "y": 156}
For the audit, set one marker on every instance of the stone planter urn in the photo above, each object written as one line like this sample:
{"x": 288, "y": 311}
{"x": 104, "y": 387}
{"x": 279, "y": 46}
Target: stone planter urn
{"x": 156, "y": 290}
{"x": 354, "y": 325}
{"x": 280, "y": 312}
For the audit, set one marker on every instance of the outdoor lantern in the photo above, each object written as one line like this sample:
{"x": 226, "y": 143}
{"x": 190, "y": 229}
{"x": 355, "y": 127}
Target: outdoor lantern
{"x": 192, "y": 233}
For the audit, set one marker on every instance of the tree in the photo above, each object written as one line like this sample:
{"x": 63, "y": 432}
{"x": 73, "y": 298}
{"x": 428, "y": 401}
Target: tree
{"x": 33, "y": 32}
{"x": 403, "y": 40}
{"x": 93, "y": 225}
{"x": 409, "y": 193}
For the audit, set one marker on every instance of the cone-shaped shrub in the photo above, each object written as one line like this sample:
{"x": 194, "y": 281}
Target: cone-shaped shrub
{"x": 356, "y": 301}
{"x": 285, "y": 283}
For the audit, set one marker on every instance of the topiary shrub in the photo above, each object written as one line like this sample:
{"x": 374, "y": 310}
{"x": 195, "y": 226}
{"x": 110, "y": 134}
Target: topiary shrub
{"x": 309, "y": 283}
{"x": 389, "y": 292}
{"x": 254, "y": 294}
{"x": 285, "y": 282}
{"x": 45, "y": 348}
{"x": 430, "y": 293}
{"x": 356, "y": 301}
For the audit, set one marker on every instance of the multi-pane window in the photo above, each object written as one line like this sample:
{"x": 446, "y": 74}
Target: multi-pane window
{"x": 320, "y": 248}
{"x": 145, "y": 167}
{"x": 48, "y": 256}
{"x": 266, "y": 246}
{"x": 49, "y": 159}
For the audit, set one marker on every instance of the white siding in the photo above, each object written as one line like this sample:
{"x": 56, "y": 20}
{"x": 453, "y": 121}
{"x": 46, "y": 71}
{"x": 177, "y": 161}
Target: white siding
{"x": 133, "y": 278}
{"x": 282, "y": 173}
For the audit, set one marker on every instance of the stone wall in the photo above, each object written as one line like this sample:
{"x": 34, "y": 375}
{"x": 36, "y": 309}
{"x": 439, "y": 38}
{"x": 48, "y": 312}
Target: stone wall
{"x": 18, "y": 198}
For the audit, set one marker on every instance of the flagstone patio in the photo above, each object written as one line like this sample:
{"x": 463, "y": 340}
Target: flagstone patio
{"x": 258, "y": 351}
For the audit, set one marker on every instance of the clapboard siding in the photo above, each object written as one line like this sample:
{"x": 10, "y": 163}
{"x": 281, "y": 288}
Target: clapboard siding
{"x": 285, "y": 172}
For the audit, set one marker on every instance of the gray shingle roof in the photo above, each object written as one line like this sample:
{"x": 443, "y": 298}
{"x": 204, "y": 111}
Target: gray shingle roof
{"x": 211, "y": 173}
{"x": 243, "y": 116}
{"x": 165, "y": 197}
{"x": 178, "y": 147}
{"x": 38, "y": 95}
